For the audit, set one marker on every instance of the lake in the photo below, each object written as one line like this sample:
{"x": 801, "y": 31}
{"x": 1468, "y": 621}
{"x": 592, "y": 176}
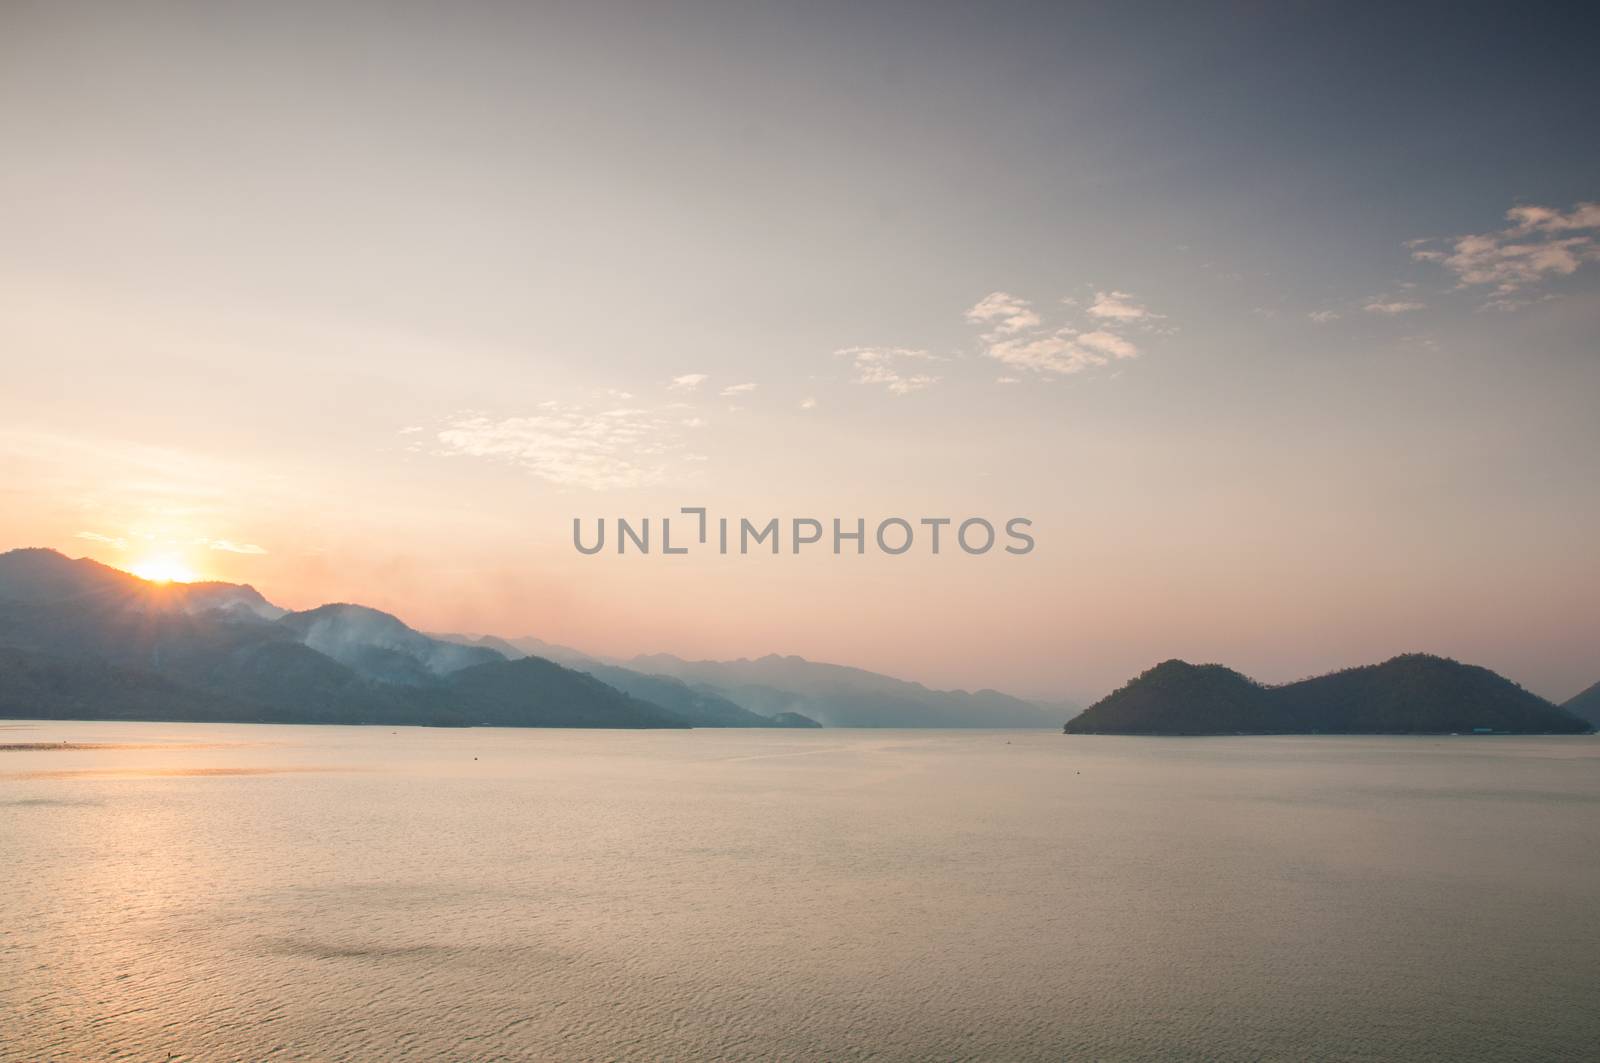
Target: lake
{"x": 251, "y": 892}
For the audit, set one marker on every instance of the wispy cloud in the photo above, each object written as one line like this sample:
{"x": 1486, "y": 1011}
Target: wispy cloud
{"x": 736, "y": 389}
{"x": 1003, "y": 313}
{"x": 230, "y": 547}
{"x": 1056, "y": 352}
{"x": 110, "y": 540}
{"x": 1061, "y": 350}
{"x": 890, "y": 368}
{"x": 1323, "y": 317}
{"x": 574, "y": 445}
{"x": 808, "y": 404}
{"x": 687, "y": 382}
{"x": 1109, "y": 343}
{"x": 1539, "y": 243}
{"x": 224, "y": 545}
{"x": 1118, "y": 306}
{"x": 1391, "y": 307}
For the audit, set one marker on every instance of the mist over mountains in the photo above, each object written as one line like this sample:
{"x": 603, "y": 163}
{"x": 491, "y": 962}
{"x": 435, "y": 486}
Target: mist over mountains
{"x": 82, "y": 640}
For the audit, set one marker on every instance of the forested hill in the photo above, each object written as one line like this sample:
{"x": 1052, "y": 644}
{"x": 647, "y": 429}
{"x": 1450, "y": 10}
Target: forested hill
{"x": 1412, "y": 694}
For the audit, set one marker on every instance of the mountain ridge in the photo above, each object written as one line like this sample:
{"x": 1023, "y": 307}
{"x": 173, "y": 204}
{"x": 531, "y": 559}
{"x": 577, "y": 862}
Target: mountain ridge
{"x": 1413, "y": 693}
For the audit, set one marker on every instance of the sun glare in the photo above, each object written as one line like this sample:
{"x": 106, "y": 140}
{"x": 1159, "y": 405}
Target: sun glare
{"x": 163, "y": 570}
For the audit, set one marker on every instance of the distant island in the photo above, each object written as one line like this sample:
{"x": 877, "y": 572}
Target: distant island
{"x": 81, "y": 640}
{"x": 1411, "y": 694}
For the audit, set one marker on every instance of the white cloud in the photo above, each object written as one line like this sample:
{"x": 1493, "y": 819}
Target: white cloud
{"x": 916, "y": 382}
{"x": 885, "y": 366}
{"x": 228, "y": 546}
{"x": 1109, "y": 343}
{"x": 1004, "y": 312}
{"x": 687, "y": 382}
{"x": 573, "y": 445}
{"x": 1118, "y": 306}
{"x": 1391, "y": 307}
{"x": 1013, "y": 334}
{"x": 808, "y": 404}
{"x": 110, "y": 540}
{"x": 1057, "y": 352}
{"x": 1322, "y": 317}
{"x": 736, "y": 389}
{"x": 1062, "y": 350}
{"x": 1538, "y": 244}
{"x": 1546, "y": 219}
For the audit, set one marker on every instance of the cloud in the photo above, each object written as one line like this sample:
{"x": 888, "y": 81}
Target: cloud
{"x": 885, "y": 366}
{"x": 1057, "y": 352}
{"x": 1015, "y": 335}
{"x": 1109, "y": 343}
{"x": 687, "y": 382}
{"x": 110, "y": 540}
{"x": 1545, "y": 219}
{"x": 1391, "y": 307}
{"x": 1322, "y": 317}
{"x": 1539, "y": 243}
{"x": 224, "y": 545}
{"x": 228, "y": 546}
{"x": 808, "y": 404}
{"x": 1062, "y": 350}
{"x": 736, "y": 389}
{"x": 1118, "y": 306}
{"x": 574, "y": 445}
{"x": 1005, "y": 313}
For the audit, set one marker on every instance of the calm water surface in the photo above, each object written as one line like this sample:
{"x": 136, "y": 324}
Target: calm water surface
{"x": 239, "y": 892}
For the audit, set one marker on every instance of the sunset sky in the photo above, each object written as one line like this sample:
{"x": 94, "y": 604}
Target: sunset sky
{"x": 1281, "y": 322}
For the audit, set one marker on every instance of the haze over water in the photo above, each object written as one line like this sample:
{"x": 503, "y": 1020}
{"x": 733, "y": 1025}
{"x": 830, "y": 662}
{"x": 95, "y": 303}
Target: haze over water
{"x": 218, "y": 892}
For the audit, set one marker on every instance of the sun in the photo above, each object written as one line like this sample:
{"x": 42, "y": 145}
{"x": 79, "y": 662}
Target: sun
{"x": 163, "y": 570}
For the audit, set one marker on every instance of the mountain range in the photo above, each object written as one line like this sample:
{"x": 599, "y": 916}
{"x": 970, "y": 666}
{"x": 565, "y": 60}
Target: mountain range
{"x": 1411, "y": 694}
{"x": 780, "y": 687}
{"x": 79, "y": 639}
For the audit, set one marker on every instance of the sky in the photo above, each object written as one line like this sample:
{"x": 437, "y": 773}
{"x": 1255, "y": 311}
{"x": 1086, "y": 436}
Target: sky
{"x": 1278, "y": 321}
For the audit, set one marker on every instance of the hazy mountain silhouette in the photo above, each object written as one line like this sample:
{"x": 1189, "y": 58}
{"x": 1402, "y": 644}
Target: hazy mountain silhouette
{"x": 840, "y": 696}
{"x": 104, "y": 644}
{"x": 536, "y": 692}
{"x": 1586, "y": 705}
{"x": 381, "y": 646}
{"x": 777, "y": 688}
{"x": 41, "y": 687}
{"x": 36, "y": 576}
{"x": 491, "y": 642}
{"x": 1411, "y": 694}
{"x": 528, "y": 646}
{"x": 700, "y": 706}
